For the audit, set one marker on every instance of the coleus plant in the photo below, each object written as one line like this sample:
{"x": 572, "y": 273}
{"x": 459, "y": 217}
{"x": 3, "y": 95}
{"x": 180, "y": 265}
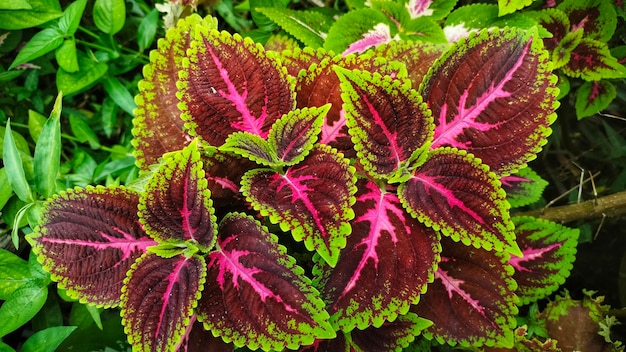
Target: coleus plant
{"x": 306, "y": 200}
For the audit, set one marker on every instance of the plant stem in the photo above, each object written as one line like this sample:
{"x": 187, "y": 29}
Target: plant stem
{"x": 607, "y": 206}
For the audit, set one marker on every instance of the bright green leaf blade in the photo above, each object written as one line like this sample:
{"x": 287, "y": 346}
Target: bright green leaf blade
{"x": 68, "y": 23}
{"x": 506, "y": 7}
{"x": 47, "y": 340}
{"x": 6, "y": 192}
{"x": 147, "y": 29}
{"x": 90, "y": 72}
{"x": 67, "y": 56}
{"x": 5, "y": 348}
{"x": 311, "y": 28}
{"x": 109, "y": 15}
{"x": 40, "y": 44}
{"x": 15, "y": 5}
{"x": 35, "y": 124}
{"x": 593, "y": 97}
{"x": 22, "y": 306}
{"x": 119, "y": 94}
{"x": 83, "y": 132}
{"x": 13, "y": 162}
{"x": 48, "y": 152}
{"x": 14, "y": 273}
{"x": 41, "y": 11}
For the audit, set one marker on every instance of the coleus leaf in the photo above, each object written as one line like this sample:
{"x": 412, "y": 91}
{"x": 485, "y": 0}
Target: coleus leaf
{"x": 510, "y": 6}
{"x": 312, "y": 199}
{"x": 88, "y": 239}
{"x": 290, "y": 139}
{"x": 434, "y": 9}
{"x": 158, "y": 300}
{"x": 410, "y": 22}
{"x": 596, "y": 17}
{"x": 390, "y": 125}
{"x": 256, "y": 294}
{"x": 417, "y": 56}
{"x": 593, "y": 97}
{"x": 562, "y": 54}
{"x": 229, "y": 84}
{"x": 391, "y": 336}
{"x": 494, "y": 95}
{"x": 309, "y": 27}
{"x": 176, "y": 205}
{"x": 523, "y": 188}
{"x": 298, "y": 59}
{"x": 223, "y": 172}
{"x": 199, "y": 339}
{"x": 389, "y": 255}
{"x": 549, "y": 253}
{"x": 320, "y": 85}
{"x": 555, "y": 22}
{"x": 457, "y": 195}
{"x": 591, "y": 60}
{"x": 158, "y": 127}
{"x": 472, "y": 300}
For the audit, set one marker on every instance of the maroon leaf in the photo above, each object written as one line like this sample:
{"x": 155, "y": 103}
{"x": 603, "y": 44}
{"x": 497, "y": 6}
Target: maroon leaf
{"x": 255, "y": 293}
{"x": 201, "y": 340}
{"x": 592, "y": 61}
{"x": 596, "y": 17}
{"x": 229, "y": 84}
{"x": 312, "y": 199}
{"x": 493, "y": 94}
{"x": 390, "y": 126}
{"x": 389, "y": 255}
{"x": 391, "y": 336}
{"x": 176, "y": 205}
{"x": 223, "y": 172}
{"x": 454, "y": 193}
{"x": 472, "y": 300}
{"x": 549, "y": 252}
{"x": 88, "y": 239}
{"x": 158, "y": 300}
{"x": 158, "y": 126}
{"x": 554, "y": 21}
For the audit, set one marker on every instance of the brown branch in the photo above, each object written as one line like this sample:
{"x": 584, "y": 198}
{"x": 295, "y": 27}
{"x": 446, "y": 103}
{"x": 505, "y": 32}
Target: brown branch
{"x": 610, "y": 206}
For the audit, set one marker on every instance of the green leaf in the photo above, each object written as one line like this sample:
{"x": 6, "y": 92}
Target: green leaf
{"x": 66, "y": 55}
{"x": 309, "y": 27}
{"x": 83, "y": 132}
{"x": 147, "y": 29}
{"x": 21, "y": 306}
{"x": 6, "y": 192}
{"x": 5, "y": 348}
{"x": 108, "y": 116}
{"x": 41, "y": 11}
{"x": 593, "y": 97}
{"x": 40, "y": 44}
{"x": 35, "y": 124}
{"x": 71, "y": 83}
{"x": 13, "y": 162}
{"x": 17, "y": 223}
{"x": 48, "y": 152}
{"x": 15, "y": 5}
{"x": 47, "y": 340}
{"x": 109, "y": 15}
{"x": 84, "y": 315}
{"x": 506, "y": 7}
{"x": 68, "y": 23}
{"x": 14, "y": 273}
{"x": 119, "y": 94}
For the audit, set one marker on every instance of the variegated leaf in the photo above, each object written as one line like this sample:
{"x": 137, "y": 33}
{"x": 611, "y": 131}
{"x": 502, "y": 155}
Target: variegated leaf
{"x": 312, "y": 199}
{"x": 472, "y": 301}
{"x": 549, "y": 252}
{"x": 523, "y": 188}
{"x": 494, "y": 95}
{"x": 88, "y": 239}
{"x": 158, "y": 300}
{"x": 591, "y": 60}
{"x": 456, "y": 194}
{"x": 158, "y": 126}
{"x": 597, "y": 18}
{"x": 255, "y": 293}
{"x": 176, "y": 205}
{"x": 389, "y": 255}
{"x": 389, "y": 124}
{"x": 229, "y": 84}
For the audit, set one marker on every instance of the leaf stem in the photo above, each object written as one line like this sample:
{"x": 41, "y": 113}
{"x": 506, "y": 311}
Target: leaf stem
{"x": 607, "y": 206}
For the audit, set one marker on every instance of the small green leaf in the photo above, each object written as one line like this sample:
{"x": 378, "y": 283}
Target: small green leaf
{"x": 17, "y": 223}
{"x": 83, "y": 132}
{"x": 108, "y": 116}
{"x": 119, "y": 94}
{"x": 109, "y": 15}
{"x": 48, "y": 152}
{"x": 91, "y": 71}
{"x": 15, "y": 5}
{"x": 47, "y": 340}
{"x": 35, "y": 124}
{"x": 14, "y": 273}
{"x": 506, "y": 7}
{"x": 41, "y": 11}
{"x": 147, "y": 29}
{"x": 5, "y": 348}
{"x": 13, "y": 162}
{"x": 593, "y": 97}
{"x": 21, "y": 306}
{"x": 68, "y": 23}
{"x": 66, "y": 55}
{"x": 40, "y": 44}
{"x": 6, "y": 192}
